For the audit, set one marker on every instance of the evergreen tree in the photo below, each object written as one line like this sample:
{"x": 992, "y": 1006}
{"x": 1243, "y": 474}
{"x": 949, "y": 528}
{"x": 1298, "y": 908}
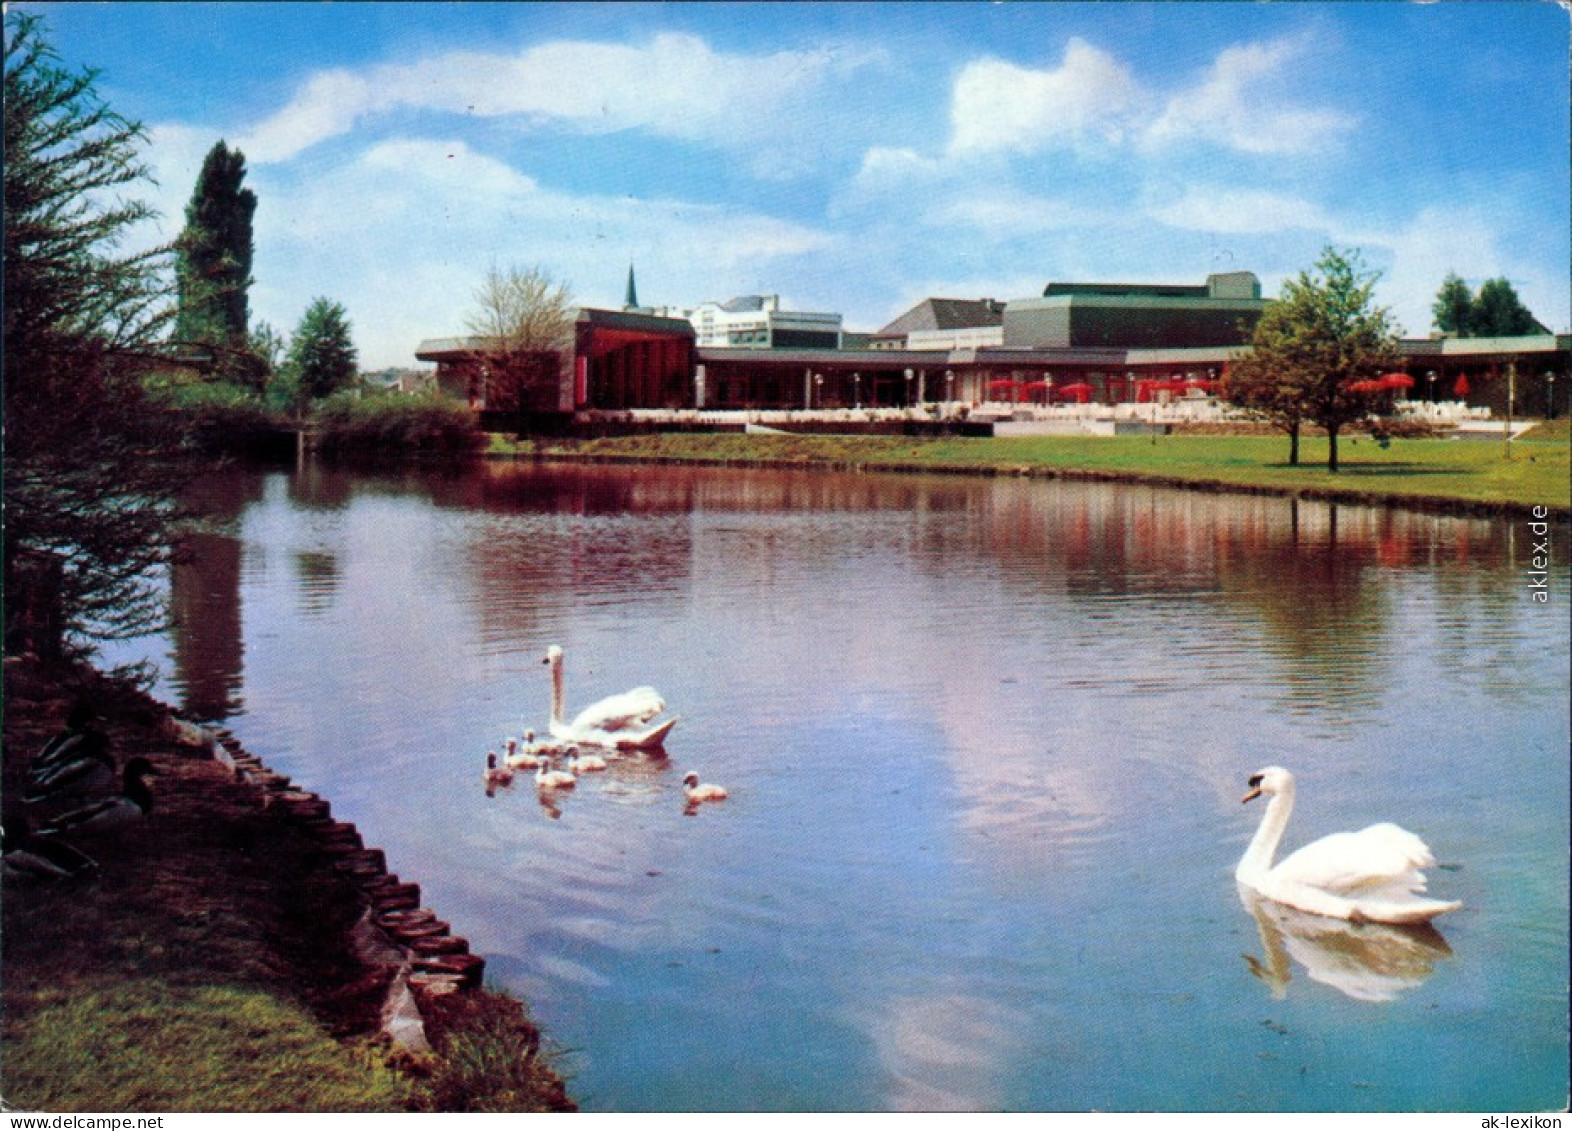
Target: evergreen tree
{"x": 87, "y": 509}
{"x": 322, "y": 356}
{"x": 1314, "y": 345}
{"x": 1499, "y": 313}
{"x": 213, "y": 264}
{"x": 1454, "y": 306}
{"x": 1495, "y": 312}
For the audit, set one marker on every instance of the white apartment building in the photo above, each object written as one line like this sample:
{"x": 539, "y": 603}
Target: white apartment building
{"x": 758, "y": 322}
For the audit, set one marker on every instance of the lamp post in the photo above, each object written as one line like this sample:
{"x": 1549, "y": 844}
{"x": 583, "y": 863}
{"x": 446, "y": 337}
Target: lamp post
{"x": 1506, "y": 431}
{"x": 1550, "y": 395}
{"x": 949, "y": 387}
{"x": 1431, "y": 377}
{"x": 818, "y": 385}
{"x": 1047, "y": 390}
{"x": 908, "y": 388}
{"x": 857, "y": 390}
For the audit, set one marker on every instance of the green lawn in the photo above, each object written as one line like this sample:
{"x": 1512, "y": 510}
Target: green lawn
{"x": 1469, "y": 471}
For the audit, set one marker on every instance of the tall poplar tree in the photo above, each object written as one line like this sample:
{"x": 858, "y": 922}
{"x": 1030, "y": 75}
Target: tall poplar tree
{"x": 213, "y": 255}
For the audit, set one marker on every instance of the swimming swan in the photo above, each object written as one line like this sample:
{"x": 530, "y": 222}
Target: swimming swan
{"x": 1372, "y": 876}
{"x": 697, "y": 793}
{"x": 546, "y": 778}
{"x": 496, "y": 776}
{"x": 617, "y": 721}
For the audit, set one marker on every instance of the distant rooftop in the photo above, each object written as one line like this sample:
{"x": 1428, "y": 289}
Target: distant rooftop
{"x": 946, "y": 314}
{"x": 1232, "y": 284}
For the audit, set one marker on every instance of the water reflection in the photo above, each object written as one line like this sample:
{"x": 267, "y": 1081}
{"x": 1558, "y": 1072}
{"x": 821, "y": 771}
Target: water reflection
{"x": 1368, "y": 962}
{"x": 942, "y": 1052}
{"x": 208, "y": 643}
{"x": 982, "y": 739}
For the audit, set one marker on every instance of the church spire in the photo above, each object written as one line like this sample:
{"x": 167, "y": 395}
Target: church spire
{"x": 631, "y": 301}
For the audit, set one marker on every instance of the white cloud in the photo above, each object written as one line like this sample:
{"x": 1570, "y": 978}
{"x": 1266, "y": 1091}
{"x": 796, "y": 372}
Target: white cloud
{"x": 1007, "y": 213}
{"x": 997, "y": 105}
{"x": 1230, "y": 107}
{"x": 674, "y": 86}
{"x": 1240, "y": 103}
{"x": 429, "y": 216}
{"x": 1241, "y": 212}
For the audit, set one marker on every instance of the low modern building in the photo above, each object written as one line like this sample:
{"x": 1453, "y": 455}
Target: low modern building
{"x": 618, "y": 359}
{"x": 1081, "y": 342}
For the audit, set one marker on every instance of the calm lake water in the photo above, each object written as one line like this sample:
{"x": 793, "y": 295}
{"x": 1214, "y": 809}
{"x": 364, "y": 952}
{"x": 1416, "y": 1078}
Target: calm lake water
{"x": 985, "y": 741}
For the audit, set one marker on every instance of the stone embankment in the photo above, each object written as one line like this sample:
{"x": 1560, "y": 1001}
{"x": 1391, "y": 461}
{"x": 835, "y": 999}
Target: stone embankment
{"x": 395, "y": 930}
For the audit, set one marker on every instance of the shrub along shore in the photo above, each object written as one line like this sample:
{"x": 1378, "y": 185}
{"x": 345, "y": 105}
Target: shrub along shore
{"x": 210, "y": 963}
{"x": 1454, "y": 476}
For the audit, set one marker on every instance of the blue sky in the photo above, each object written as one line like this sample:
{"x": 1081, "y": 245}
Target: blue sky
{"x": 849, "y": 157}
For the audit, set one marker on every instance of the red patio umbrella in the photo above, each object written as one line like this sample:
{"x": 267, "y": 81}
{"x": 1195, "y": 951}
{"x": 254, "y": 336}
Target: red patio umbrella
{"x": 1374, "y": 386}
{"x": 1004, "y": 384}
{"x": 1080, "y": 390}
{"x": 1397, "y": 381}
{"x": 1461, "y": 388}
{"x": 1043, "y": 387}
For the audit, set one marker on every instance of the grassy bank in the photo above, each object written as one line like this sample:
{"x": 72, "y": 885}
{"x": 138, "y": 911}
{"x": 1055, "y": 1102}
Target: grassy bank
{"x": 1420, "y": 472}
{"x": 208, "y": 965}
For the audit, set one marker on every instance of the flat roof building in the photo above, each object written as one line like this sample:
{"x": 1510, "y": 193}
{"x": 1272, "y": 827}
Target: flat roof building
{"x": 1221, "y": 312}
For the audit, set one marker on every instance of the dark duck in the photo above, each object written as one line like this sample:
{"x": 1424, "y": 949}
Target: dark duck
{"x": 131, "y": 804}
{"x": 73, "y": 765}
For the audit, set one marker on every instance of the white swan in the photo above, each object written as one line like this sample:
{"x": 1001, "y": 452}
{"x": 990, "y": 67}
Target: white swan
{"x": 1370, "y": 876}
{"x": 547, "y": 778}
{"x": 526, "y": 759}
{"x": 617, "y": 721}
{"x": 697, "y": 793}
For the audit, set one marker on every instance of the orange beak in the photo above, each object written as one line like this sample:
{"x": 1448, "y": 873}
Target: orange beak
{"x": 1251, "y": 796}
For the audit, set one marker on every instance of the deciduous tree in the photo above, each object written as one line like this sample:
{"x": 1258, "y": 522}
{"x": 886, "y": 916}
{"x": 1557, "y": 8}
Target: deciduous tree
{"x": 1314, "y": 346}
{"x": 523, "y": 328}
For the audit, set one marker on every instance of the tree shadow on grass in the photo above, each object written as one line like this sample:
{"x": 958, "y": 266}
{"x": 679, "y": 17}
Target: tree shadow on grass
{"x": 1356, "y": 469}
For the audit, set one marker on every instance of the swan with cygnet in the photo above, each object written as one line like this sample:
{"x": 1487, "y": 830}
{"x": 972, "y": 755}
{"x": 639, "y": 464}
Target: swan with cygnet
{"x": 619, "y": 722}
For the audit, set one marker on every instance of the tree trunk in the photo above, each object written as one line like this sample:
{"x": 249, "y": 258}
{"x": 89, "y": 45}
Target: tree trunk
{"x": 1331, "y": 448}
{"x": 1293, "y": 444}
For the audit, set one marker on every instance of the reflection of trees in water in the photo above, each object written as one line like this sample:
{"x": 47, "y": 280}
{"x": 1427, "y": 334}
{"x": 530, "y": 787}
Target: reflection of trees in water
{"x": 318, "y": 578}
{"x": 205, "y": 624}
{"x": 1303, "y": 577}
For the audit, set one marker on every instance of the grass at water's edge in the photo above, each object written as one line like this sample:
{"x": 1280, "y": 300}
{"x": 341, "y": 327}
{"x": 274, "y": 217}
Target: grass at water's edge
{"x": 208, "y": 965}
{"x": 1420, "y": 472}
